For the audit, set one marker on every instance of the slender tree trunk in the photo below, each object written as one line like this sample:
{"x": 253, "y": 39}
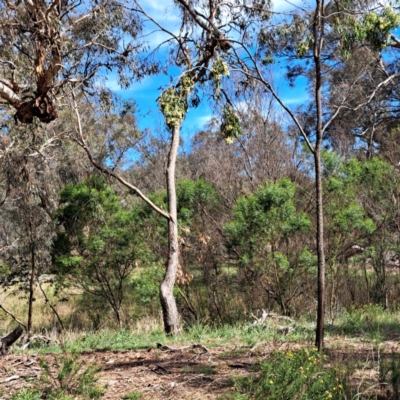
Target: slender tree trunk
{"x": 318, "y": 44}
{"x": 319, "y": 339}
{"x": 168, "y": 303}
{"x": 32, "y": 280}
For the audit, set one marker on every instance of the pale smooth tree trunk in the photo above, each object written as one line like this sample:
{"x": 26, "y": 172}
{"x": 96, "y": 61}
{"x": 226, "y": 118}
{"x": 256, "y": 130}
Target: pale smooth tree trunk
{"x": 168, "y": 302}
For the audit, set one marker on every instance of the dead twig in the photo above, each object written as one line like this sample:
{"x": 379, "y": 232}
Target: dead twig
{"x": 38, "y": 337}
{"x": 164, "y": 347}
{"x": 13, "y": 317}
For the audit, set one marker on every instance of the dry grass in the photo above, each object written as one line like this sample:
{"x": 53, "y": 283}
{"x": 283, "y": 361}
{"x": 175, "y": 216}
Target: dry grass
{"x": 78, "y": 313}
{"x": 15, "y": 300}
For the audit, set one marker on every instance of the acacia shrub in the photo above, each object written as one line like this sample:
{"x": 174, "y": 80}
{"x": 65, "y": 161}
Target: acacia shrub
{"x": 266, "y": 236}
{"x": 98, "y": 245}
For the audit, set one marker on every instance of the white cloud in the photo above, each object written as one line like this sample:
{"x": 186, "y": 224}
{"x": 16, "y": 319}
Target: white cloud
{"x": 204, "y": 120}
{"x": 295, "y": 100}
{"x": 288, "y": 5}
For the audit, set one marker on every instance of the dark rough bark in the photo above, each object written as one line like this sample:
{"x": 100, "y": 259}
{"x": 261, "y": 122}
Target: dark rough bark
{"x": 10, "y": 339}
{"x": 319, "y": 339}
{"x": 32, "y": 279}
{"x": 318, "y": 29}
{"x": 168, "y": 303}
{"x": 42, "y": 107}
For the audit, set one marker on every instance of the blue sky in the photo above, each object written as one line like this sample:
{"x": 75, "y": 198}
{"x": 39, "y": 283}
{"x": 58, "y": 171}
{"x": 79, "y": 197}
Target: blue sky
{"x": 146, "y": 92}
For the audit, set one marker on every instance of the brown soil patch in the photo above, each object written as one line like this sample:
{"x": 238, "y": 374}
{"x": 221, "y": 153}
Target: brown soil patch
{"x": 189, "y": 372}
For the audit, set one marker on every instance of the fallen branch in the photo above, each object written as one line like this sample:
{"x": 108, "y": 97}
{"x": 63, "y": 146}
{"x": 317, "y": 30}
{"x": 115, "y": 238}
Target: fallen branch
{"x": 164, "y": 347}
{"x": 11, "y": 378}
{"x": 33, "y": 338}
{"x": 265, "y": 315}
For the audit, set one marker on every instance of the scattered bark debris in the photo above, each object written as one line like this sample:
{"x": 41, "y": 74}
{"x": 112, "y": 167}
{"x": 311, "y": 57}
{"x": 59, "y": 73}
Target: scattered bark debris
{"x": 167, "y": 372}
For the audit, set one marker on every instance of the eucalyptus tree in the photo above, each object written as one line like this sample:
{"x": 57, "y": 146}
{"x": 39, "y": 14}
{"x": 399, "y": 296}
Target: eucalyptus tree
{"x": 46, "y": 46}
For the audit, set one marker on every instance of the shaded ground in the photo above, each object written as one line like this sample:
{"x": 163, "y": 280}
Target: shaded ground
{"x": 194, "y": 372}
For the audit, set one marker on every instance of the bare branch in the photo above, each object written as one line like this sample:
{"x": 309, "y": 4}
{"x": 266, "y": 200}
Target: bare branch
{"x": 83, "y": 144}
{"x": 8, "y": 94}
{"x": 13, "y": 317}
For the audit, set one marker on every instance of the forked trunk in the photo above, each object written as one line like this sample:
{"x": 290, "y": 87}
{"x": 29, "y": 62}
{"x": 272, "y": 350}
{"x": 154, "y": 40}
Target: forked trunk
{"x": 168, "y": 303}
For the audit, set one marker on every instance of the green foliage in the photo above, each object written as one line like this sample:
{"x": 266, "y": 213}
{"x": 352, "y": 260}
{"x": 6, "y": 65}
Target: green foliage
{"x": 370, "y": 321}
{"x": 345, "y": 216}
{"x": 374, "y": 28}
{"x": 192, "y": 197}
{"x": 85, "y": 201}
{"x": 268, "y": 215}
{"x": 303, "y": 47}
{"x": 294, "y": 375}
{"x": 389, "y": 374}
{"x": 173, "y": 102}
{"x": 27, "y": 394}
{"x": 4, "y": 270}
{"x": 146, "y": 283}
{"x": 230, "y": 126}
{"x": 72, "y": 378}
{"x": 263, "y": 234}
{"x": 132, "y": 396}
{"x": 100, "y": 243}
{"x": 218, "y": 70}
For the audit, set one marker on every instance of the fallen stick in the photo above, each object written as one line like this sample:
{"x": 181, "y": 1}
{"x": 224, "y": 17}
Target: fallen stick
{"x": 11, "y": 378}
{"x": 164, "y": 347}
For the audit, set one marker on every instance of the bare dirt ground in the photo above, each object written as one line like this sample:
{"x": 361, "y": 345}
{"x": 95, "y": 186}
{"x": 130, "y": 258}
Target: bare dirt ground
{"x": 162, "y": 373}
{"x": 190, "y": 372}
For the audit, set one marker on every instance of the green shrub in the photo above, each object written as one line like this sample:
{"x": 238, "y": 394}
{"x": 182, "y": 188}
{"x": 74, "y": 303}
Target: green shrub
{"x": 71, "y": 378}
{"x": 26, "y": 394}
{"x": 293, "y": 375}
{"x": 132, "y": 396}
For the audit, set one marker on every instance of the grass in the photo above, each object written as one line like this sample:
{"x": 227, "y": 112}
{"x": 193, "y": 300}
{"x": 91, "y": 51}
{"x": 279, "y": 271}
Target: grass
{"x": 149, "y": 331}
{"x": 132, "y": 396}
{"x": 70, "y": 380}
{"x": 354, "y": 364}
{"x": 302, "y": 374}
{"x": 371, "y": 322}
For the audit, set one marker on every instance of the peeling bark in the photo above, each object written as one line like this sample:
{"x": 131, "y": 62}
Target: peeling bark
{"x": 9, "y": 95}
{"x": 44, "y": 22}
{"x": 168, "y": 302}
